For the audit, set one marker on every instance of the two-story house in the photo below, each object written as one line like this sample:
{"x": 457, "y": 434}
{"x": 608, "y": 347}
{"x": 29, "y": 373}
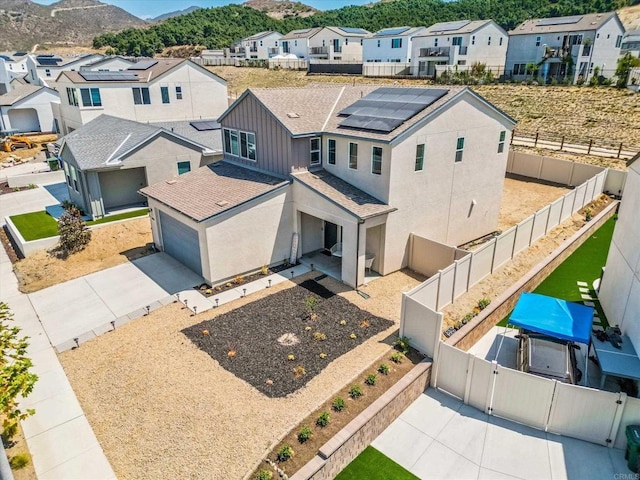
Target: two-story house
{"x": 111, "y": 63}
{"x": 163, "y": 89}
{"x": 261, "y": 46}
{"x": 326, "y": 43}
{"x": 461, "y": 44}
{"x": 12, "y": 65}
{"x": 45, "y": 68}
{"x": 565, "y": 47}
{"x": 27, "y": 108}
{"x": 390, "y": 45}
{"x": 355, "y": 175}
{"x": 631, "y": 43}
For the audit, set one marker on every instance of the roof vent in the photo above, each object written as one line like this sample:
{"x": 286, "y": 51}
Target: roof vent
{"x": 171, "y": 182}
{"x": 293, "y": 115}
{"x": 222, "y": 203}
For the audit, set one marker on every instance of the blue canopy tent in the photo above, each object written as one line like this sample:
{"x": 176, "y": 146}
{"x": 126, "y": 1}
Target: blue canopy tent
{"x": 555, "y": 318}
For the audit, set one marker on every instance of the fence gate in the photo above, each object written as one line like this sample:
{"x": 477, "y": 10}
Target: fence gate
{"x": 451, "y": 370}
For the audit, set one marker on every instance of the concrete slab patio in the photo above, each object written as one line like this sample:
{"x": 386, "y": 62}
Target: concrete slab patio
{"x": 439, "y": 437}
{"x": 33, "y": 200}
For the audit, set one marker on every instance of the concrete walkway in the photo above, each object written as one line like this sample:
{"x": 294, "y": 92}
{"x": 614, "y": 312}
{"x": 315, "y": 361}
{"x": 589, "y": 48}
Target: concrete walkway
{"x": 439, "y": 437}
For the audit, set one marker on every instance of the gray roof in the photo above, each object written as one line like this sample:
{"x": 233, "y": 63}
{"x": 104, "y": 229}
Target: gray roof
{"x": 104, "y": 140}
{"x": 20, "y": 92}
{"x": 304, "y": 33}
{"x": 392, "y": 32}
{"x": 346, "y": 196}
{"x": 106, "y": 59}
{"x": 213, "y": 189}
{"x": 590, "y": 21}
{"x": 347, "y": 33}
{"x": 258, "y": 36}
{"x": 445, "y": 28}
{"x": 209, "y": 138}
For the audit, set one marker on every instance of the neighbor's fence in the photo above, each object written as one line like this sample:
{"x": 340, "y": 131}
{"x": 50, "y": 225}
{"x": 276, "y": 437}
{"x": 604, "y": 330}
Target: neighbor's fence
{"x": 386, "y": 69}
{"x": 335, "y": 67}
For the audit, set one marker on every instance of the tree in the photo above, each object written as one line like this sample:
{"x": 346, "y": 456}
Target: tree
{"x": 15, "y": 378}
{"x": 625, "y": 64}
{"x": 74, "y": 234}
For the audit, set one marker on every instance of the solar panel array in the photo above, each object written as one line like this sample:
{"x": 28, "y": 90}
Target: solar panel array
{"x": 392, "y": 31}
{"x": 4, "y": 57}
{"x": 108, "y": 76}
{"x": 205, "y": 125}
{"x": 19, "y": 54}
{"x": 143, "y": 65}
{"x": 47, "y": 62}
{"x": 386, "y": 108}
{"x": 450, "y": 26}
{"x": 559, "y": 21}
{"x": 361, "y": 31}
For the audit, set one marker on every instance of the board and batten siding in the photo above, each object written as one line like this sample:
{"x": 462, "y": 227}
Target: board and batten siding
{"x": 276, "y": 151}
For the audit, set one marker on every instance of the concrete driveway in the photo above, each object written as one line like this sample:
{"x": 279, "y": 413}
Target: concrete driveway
{"x": 34, "y": 200}
{"x": 84, "y": 308}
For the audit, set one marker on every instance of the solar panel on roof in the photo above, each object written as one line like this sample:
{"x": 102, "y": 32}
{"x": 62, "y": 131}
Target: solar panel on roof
{"x": 387, "y": 108}
{"x": 449, "y": 26}
{"x": 108, "y": 76}
{"x": 353, "y": 30}
{"x": 559, "y": 21}
{"x": 393, "y": 31}
{"x": 4, "y": 57}
{"x": 205, "y": 125}
{"x": 45, "y": 55}
{"x": 143, "y": 65}
{"x": 19, "y": 54}
{"x": 49, "y": 61}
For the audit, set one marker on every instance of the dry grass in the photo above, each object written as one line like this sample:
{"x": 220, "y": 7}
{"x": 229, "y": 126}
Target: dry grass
{"x": 110, "y": 245}
{"x": 630, "y": 17}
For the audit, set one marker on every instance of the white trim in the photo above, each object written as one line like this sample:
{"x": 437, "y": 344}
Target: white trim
{"x": 381, "y": 159}
{"x": 349, "y": 155}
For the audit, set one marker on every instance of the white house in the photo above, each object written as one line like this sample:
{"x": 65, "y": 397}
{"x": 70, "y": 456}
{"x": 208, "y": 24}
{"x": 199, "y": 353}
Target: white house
{"x": 390, "y": 45}
{"x": 163, "y": 89}
{"x": 5, "y": 78}
{"x": 620, "y": 286}
{"x": 565, "y": 47}
{"x": 27, "y": 108}
{"x": 347, "y": 176}
{"x": 16, "y": 63}
{"x": 261, "y": 46}
{"x": 111, "y": 63}
{"x": 326, "y": 43}
{"x": 45, "y": 68}
{"x": 631, "y": 43}
{"x": 460, "y": 44}
{"x": 297, "y": 42}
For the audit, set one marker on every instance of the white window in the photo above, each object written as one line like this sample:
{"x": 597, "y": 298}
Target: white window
{"x": 459, "y": 149}
{"x": 178, "y": 92}
{"x": 231, "y": 142}
{"x": 503, "y": 135}
{"x": 353, "y": 155}
{"x": 376, "y": 160}
{"x": 378, "y": 43}
{"x": 314, "y": 151}
{"x": 184, "y": 167}
{"x": 72, "y": 96}
{"x": 435, "y": 42}
{"x": 248, "y": 145}
{"x": 618, "y": 41}
{"x": 396, "y": 43}
{"x": 473, "y": 40}
{"x": 489, "y": 41}
{"x": 141, "y": 96}
{"x": 90, "y": 97}
{"x": 331, "y": 151}
{"x": 74, "y": 177}
{"x": 164, "y": 93}
{"x": 419, "y": 157}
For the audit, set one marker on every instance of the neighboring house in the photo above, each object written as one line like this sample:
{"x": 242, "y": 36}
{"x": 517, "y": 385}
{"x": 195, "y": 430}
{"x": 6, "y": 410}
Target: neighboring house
{"x": 163, "y": 89}
{"x": 15, "y": 62}
{"x": 460, "y": 44}
{"x": 27, "y": 108}
{"x": 5, "y": 77}
{"x": 337, "y": 43}
{"x": 631, "y": 43}
{"x": 112, "y": 63}
{"x": 619, "y": 293}
{"x": 565, "y": 47}
{"x": 347, "y": 173}
{"x": 390, "y": 45}
{"x": 261, "y": 46}
{"x": 633, "y": 82}
{"x": 45, "y": 68}
{"x": 109, "y": 159}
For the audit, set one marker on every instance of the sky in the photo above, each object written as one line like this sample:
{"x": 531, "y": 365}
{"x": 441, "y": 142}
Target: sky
{"x": 153, "y": 8}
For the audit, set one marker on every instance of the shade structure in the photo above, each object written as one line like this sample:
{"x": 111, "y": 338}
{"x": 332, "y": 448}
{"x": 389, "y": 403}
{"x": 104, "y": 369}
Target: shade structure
{"x": 553, "y": 317}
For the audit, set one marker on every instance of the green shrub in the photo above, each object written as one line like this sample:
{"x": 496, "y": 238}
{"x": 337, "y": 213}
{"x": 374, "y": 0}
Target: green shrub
{"x": 304, "y": 434}
{"x": 402, "y": 344}
{"x": 285, "y": 452}
{"x": 338, "y": 404}
{"x": 355, "y": 391}
{"x": 74, "y": 234}
{"x": 397, "y": 357}
{"x": 323, "y": 419}
{"x": 483, "y": 303}
{"x": 371, "y": 379}
{"x": 383, "y": 369}
{"x": 264, "y": 475}
{"x": 19, "y": 461}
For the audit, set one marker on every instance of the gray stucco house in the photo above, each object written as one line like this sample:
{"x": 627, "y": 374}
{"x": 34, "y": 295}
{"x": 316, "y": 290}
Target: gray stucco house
{"x": 349, "y": 169}
{"x": 109, "y": 159}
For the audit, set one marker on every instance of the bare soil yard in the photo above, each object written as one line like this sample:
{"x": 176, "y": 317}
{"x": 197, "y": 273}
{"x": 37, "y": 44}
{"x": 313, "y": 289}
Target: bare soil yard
{"x": 164, "y": 409}
{"x": 110, "y": 245}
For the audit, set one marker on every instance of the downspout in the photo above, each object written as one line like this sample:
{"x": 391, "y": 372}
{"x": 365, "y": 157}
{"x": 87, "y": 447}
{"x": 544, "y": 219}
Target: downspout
{"x": 360, "y": 222}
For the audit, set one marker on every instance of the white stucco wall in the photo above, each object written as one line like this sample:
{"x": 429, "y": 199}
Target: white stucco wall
{"x": 298, "y": 47}
{"x": 113, "y": 64}
{"x": 605, "y": 53}
{"x": 351, "y": 48}
{"x": 620, "y": 287}
{"x": 40, "y": 102}
{"x": 5, "y": 79}
{"x": 262, "y": 46}
{"x": 371, "y": 52}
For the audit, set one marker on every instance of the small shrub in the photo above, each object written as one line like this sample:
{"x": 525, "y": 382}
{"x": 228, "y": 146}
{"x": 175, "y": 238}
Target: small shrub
{"x": 483, "y": 303}
{"x": 16, "y": 189}
{"x": 319, "y": 336}
{"x": 343, "y": 322}
{"x": 397, "y": 357}
{"x": 304, "y": 434}
{"x": 323, "y": 419}
{"x": 323, "y": 355}
{"x": 371, "y": 379}
{"x": 355, "y": 391}
{"x": 19, "y": 461}
{"x": 264, "y": 475}
{"x": 338, "y": 404}
{"x": 467, "y": 318}
{"x": 299, "y": 371}
{"x": 384, "y": 369}
{"x": 285, "y": 452}
{"x": 31, "y": 186}
{"x": 353, "y": 336}
{"x": 264, "y": 270}
{"x": 238, "y": 279}
{"x": 291, "y": 357}
{"x": 365, "y": 324}
{"x": 307, "y": 328}
{"x": 74, "y": 234}
{"x": 402, "y": 344}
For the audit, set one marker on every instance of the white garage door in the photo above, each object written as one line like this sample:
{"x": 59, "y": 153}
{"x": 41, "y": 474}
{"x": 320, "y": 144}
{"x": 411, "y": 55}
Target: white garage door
{"x": 24, "y": 120}
{"x": 181, "y": 242}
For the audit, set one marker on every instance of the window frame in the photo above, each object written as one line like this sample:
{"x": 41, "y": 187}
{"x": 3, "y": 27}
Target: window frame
{"x": 141, "y": 99}
{"x": 352, "y": 156}
{"x": 249, "y": 146}
{"x": 459, "y": 150}
{"x": 164, "y": 94}
{"x": 178, "y": 92}
{"x": 331, "y": 152}
{"x": 315, "y": 153}
{"x": 502, "y": 138}
{"x": 72, "y": 97}
{"x": 396, "y": 42}
{"x": 538, "y": 41}
{"x": 183, "y": 164}
{"x": 377, "y": 171}
{"x": 419, "y": 163}
{"x": 93, "y": 97}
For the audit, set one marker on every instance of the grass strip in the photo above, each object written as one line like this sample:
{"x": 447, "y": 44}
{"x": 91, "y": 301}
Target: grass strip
{"x": 373, "y": 465}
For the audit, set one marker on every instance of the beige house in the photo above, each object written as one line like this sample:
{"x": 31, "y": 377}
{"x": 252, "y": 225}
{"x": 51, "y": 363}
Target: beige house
{"x": 163, "y": 89}
{"x": 353, "y": 177}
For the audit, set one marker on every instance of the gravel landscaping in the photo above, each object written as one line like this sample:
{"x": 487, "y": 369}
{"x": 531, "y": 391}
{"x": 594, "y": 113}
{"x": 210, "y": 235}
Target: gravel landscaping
{"x": 277, "y": 344}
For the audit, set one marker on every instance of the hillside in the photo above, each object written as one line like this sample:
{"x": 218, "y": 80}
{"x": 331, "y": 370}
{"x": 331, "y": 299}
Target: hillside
{"x": 219, "y": 27}
{"x": 630, "y": 17}
{"x": 177, "y": 13}
{"x": 281, "y": 8}
{"x": 24, "y": 23}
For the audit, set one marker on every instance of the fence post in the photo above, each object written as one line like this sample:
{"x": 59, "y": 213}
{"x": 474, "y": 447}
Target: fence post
{"x": 619, "y": 150}
{"x": 590, "y": 145}
{"x": 562, "y": 143}
{"x": 535, "y": 143}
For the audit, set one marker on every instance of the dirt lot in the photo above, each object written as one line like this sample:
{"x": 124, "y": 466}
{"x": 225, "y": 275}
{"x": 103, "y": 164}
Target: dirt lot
{"x": 22, "y": 153}
{"x": 110, "y": 246}
{"x": 163, "y": 409}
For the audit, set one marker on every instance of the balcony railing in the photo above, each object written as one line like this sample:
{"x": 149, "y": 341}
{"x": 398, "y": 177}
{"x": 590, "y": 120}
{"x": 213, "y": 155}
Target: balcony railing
{"x": 434, "y": 52}
{"x": 337, "y": 49}
{"x": 272, "y": 51}
{"x": 237, "y": 50}
{"x": 318, "y": 50}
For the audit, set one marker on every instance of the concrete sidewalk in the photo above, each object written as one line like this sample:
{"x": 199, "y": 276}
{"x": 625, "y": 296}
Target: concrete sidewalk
{"x": 439, "y": 437}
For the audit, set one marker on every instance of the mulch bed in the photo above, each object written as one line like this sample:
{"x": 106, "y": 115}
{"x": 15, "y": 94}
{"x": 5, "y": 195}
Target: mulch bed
{"x": 5, "y": 188}
{"x": 8, "y": 245}
{"x": 208, "y": 291}
{"x": 253, "y": 333}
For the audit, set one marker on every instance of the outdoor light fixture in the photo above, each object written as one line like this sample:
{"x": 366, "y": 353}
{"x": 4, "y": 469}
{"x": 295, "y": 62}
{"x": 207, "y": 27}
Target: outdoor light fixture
{"x": 148, "y": 307}
{"x": 195, "y": 310}
{"x": 178, "y": 296}
{"x": 217, "y": 300}
{"x": 186, "y": 302}
{"x": 268, "y": 286}
{"x": 312, "y": 267}
{"x": 77, "y": 342}
{"x": 244, "y": 291}
{"x": 113, "y": 324}
{"x": 291, "y": 273}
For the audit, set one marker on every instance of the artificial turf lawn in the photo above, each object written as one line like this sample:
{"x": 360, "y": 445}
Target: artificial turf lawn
{"x": 583, "y": 265}
{"x": 373, "y": 465}
{"x": 37, "y": 225}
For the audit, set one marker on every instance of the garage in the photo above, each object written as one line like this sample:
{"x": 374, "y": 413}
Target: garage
{"x": 120, "y": 187}
{"x": 24, "y": 119}
{"x": 181, "y": 242}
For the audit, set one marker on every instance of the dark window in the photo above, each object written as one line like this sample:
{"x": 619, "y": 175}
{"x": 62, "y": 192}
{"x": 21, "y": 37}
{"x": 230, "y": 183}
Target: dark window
{"x": 503, "y": 135}
{"x": 376, "y": 160}
{"x": 91, "y": 97}
{"x": 141, "y": 96}
{"x": 331, "y": 149}
{"x": 396, "y": 43}
{"x": 419, "y": 157}
{"x": 353, "y": 155}
{"x": 178, "y": 92}
{"x": 248, "y": 145}
{"x": 315, "y": 151}
{"x": 72, "y": 96}
{"x": 459, "y": 149}
{"x": 164, "y": 91}
{"x": 184, "y": 167}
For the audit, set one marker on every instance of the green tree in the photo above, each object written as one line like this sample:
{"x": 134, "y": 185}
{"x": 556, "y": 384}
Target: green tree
{"x": 625, "y": 64}
{"x": 74, "y": 234}
{"x": 15, "y": 378}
